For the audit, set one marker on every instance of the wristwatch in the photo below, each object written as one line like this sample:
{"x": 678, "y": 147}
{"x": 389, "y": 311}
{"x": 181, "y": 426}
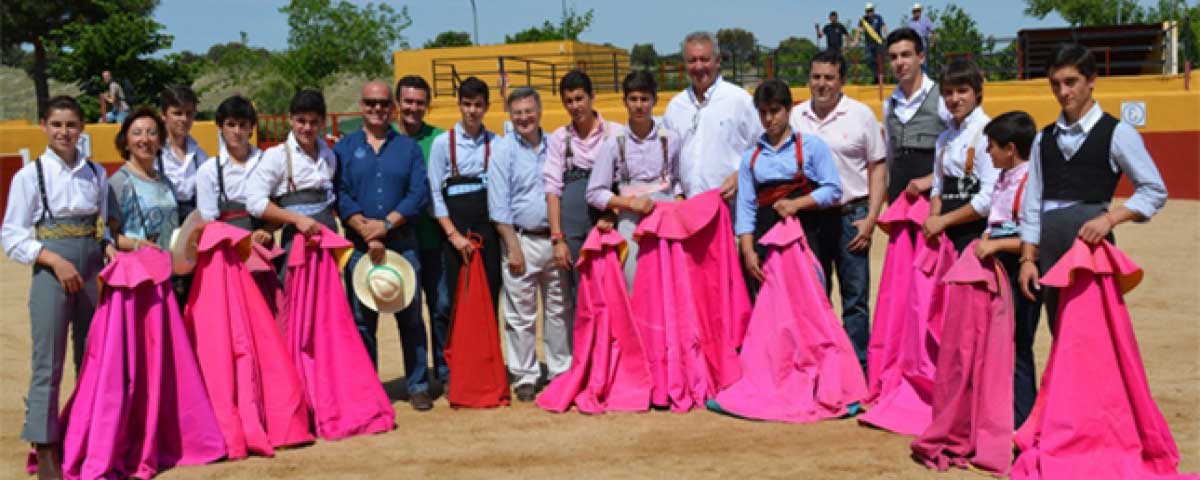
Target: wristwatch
{"x": 387, "y": 224}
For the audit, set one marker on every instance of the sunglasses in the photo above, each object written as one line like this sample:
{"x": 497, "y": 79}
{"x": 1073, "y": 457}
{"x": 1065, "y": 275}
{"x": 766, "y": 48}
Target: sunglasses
{"x": 377, "y": 102}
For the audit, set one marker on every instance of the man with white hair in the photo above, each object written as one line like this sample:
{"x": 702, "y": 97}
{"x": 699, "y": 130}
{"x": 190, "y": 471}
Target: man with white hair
{"x": 716, "y": 121}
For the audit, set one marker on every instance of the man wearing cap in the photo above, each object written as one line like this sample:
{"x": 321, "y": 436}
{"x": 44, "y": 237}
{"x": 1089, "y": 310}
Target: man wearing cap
{"x": 381, "y": 187}
{"x": 924, "y": 27}
{"x": 716, "y": 121}
{"x": 517, "y": 205}
{"x": 872, "y": 27}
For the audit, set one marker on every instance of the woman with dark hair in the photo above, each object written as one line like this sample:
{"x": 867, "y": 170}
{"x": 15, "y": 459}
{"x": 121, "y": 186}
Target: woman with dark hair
{"x": 963, "y": 174}
{"x": 142, "y": 207}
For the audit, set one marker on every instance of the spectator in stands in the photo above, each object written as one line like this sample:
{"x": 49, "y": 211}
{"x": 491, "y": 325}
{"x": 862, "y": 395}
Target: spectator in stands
{"x": 115, "y": 98}
{"x": 874, "y": 29}
{"x": 833, "y": 32}
{"x": 924, "y": 27}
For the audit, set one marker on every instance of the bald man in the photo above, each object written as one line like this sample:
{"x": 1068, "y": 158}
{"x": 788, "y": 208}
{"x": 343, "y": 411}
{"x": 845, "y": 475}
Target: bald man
{"x": 382, "y": 188}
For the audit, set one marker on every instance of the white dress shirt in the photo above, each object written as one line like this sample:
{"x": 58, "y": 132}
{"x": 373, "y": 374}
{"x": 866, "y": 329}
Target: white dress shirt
{"x": 714, "y": 133}
{"x": 270, "y": 178}
{"x": 181, "y": 173}
{"x": 907, "y": 107}
{"x": 950, "y": 159}
{"x": 71, "y": 192}
{"x": 853, "y": 135}
{"x": 1127, "y": 154}
{"x": 208, "y": 189}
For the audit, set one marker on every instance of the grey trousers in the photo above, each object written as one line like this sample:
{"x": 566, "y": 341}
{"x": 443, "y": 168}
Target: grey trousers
{"x": 1060, "y": 228}
{"x": 627, "y": 223}
{"x": 51, "y": 310}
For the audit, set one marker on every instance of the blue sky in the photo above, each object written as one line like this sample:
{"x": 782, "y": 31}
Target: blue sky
{"x": 197, "y": 25}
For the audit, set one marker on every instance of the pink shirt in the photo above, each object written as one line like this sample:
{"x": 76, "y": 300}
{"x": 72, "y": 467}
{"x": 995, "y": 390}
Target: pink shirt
{"x": 584, "y": 151}
{"x": 853, "y": 135}
{"x": 1004, "y": 196}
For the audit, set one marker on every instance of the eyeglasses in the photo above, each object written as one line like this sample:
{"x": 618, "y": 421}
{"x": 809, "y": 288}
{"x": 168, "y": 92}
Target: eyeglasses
{"x": 377, "y": 102}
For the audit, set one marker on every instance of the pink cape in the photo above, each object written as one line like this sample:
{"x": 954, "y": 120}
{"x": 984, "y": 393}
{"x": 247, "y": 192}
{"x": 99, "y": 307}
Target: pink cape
{"x": 902, "y": 355}
{"x": 973, "y": 391}
{"x": 797, "y": 362}
{"x": 342, "y": 386}
{"x": 262, "y": 269}
{"x": 139, "y": 406}
{"x": 609, "y": 371}
{"x": 1094, "y": 417}
{"x": 255, "y": 391}
{"x": 690, "y": 299}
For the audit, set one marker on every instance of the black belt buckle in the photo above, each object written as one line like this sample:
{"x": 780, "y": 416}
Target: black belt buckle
{"x": 542, "y": 232}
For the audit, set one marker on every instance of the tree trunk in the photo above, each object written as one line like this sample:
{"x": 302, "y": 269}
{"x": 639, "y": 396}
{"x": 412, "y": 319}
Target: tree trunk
{"x": 40, "y": 83}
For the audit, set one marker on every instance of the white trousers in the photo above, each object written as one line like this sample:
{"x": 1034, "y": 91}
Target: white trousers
{"x": 521, "y": 307}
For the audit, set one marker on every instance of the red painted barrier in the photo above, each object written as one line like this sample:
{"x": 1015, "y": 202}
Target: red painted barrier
{"x": 1177, "y": 155}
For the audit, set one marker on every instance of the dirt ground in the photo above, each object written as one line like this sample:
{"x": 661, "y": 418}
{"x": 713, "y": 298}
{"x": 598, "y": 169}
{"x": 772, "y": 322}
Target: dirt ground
{"x": 525, "y": 442}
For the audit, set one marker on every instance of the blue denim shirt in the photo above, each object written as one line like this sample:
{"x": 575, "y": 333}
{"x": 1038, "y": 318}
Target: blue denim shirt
{"x": 375, "y": 185}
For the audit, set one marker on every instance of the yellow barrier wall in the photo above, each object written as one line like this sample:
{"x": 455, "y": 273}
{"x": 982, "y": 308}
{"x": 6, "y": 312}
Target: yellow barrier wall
{"x": 104, "y": 150}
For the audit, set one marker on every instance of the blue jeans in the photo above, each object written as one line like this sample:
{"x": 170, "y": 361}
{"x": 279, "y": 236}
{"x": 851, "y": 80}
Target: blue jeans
{"x": 853, "y": 270}
{"x": 437, "y": 297}
{"x": 113, "y": 116}
{"x": 408, "y": 321}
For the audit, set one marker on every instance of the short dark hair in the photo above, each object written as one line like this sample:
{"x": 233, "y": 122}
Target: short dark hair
{"x": 61, "y": 102}
{"x": 122, "y": 140}
{"x": 574, "y": 80}
{"x": 176, "y": 96}
{"x": 473, "y": 87}
{"x": 236, "y": 107}
{"x": 413, "y": 81}
{"x": 307, "y": 101}
{"x": 773, "y": 91}
{"x": 639, "y": 81}
{"x": 832, "y": 57}
{"x": 833, "y": 13}
{"x": 961, "y": 71}
{"x": 1013, "y": 127}
{"x": 1073, "y": 55}
{"x": 905, "y": 33}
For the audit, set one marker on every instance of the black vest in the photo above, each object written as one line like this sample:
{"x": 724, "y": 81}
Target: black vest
{"x": 1088, "y": 176}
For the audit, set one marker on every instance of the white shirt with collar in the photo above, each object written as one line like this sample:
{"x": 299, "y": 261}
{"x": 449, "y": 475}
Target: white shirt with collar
{"x": 950, "y": 159}
{"x": 270, "y": 179}
{"x": 853, "y": 135}
{"x": 907, "y": 106}
{"x": 1127, "y": 153}
{"x": 181, "y": 173}
{"x": 714, "y": 133}
{"x": 208, "y": 189}
{"x": 71, "y": 191}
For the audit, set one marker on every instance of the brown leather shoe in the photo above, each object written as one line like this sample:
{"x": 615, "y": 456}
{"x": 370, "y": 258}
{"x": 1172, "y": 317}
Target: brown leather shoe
{"x": 49, "y": 467}
{"x": 421, "y": 401}
{"x": 526, "y": 393}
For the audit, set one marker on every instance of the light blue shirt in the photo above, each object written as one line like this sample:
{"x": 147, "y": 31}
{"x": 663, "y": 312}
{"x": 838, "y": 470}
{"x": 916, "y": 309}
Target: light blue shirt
{"x": 1126, "y": 154}
{"x": 469, "y": 155}
{"x": 516, "y": 193}
{"x": 923, "y": 27}
{"x": 772, "y": 164}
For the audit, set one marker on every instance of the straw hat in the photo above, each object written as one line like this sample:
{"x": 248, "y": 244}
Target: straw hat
{"x": 183, "y": 253}
{"x": 388, "y": 287}
{"x": 916, "y": 6}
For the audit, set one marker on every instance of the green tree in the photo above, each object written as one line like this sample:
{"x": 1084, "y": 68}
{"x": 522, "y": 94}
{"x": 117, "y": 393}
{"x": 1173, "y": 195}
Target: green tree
{"x": 123, "y": 43}
{"x": 738, "y": 48}
{"x": 1188, "y": 17}
{"x": 326, "y": 38}
{"x": 792, "y": 59}
{"x": 958, "y": 35}
{"x": 1086, "y": 13}
{"x": 570, "y": 29}
{"x": 643, "y": 55}
{"x": 449, "y": 38}
{"x": 34, "y": 23}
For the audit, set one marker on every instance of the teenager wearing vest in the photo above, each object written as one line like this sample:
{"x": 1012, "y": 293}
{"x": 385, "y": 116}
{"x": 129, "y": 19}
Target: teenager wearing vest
{"x": 53, "y": 223}
{"x": 221, "y": 184}
{"x": 855, "y": 138}
{"x": 1010, "y": 139}
{"x": 293, "y": 184}
{"x": 458, "y": 171}
{"x": 517, "y": 204}
{"x": 913, "y": 117}
{"x": 182, "y": 156}
{"x": 1073, "y": 171}
{"x": 412, "y": 97}
{"x": 574, "y": 149}
{"x": 642, "y": 170}
{"x": 786, "y": 174}
{"x": 963, "y": 175}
